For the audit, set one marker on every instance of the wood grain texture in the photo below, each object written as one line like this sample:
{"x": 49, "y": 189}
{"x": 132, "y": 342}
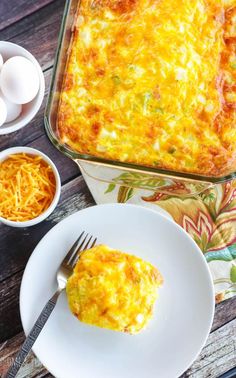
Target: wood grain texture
{"x": 38, "y": 33}
{"x": 10, "y": 323}
{"x": 11, "y": 12}
{"x": 32, "y": 366}
{"x": 224, "y": 313}
{"x": 20, "y": 244}
{"x": 218, "y": 356}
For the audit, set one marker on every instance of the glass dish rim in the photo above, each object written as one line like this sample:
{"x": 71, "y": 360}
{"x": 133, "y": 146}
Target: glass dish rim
{"x": 76, "y": 156}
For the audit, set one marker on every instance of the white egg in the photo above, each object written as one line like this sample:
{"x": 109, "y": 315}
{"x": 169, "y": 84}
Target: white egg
{"x": 13, "y": 110}
{"x": 3, "y": 111}
{"x": 1, "y": 62}
{"x": 19, "y": 80}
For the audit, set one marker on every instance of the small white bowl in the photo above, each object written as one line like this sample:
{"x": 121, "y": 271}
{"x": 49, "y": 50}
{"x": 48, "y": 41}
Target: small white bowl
{"x": 29, "y": 110}
{"x": 32, "y": 151}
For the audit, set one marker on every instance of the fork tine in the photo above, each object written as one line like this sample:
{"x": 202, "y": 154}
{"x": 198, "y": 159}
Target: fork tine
{"x": 94, "y": 242}
{"x": 78, "y": 248}
{"x": 83, "y": 248}
{"x": 87, "y": 244}
{"x": 73, "y": 249}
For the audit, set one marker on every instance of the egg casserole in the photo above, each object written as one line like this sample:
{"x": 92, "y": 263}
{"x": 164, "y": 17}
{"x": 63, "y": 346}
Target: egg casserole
{"x": 153, "y": 83}
{"x": 114, "y": 290}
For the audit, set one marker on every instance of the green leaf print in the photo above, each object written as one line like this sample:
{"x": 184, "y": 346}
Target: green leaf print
{"x": 110, "y": 188}
{"x": 139, "y": 180}
{"x": 124, "y": 194}
{"x": 233, "y": 273}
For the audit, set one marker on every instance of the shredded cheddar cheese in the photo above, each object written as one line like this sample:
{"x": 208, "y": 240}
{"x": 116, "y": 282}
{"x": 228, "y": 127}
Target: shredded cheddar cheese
{"x": 27, "y": 187}
{"x": 153, "y": 83}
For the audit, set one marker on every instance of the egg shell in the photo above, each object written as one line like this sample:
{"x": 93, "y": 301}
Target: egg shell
{"x": 3, "y": 111}
{"x": 13, "y": 110}
{"x": 1, "y": 62}
{"x": 19, "y": 80}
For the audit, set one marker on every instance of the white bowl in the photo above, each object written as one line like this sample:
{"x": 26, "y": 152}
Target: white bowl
{"x": 32, "y": 151}
{"x": 29, "y": 110}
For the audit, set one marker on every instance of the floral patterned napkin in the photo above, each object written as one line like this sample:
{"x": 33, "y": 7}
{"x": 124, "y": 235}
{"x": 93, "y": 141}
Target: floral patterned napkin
{"x": 209, "y": 217}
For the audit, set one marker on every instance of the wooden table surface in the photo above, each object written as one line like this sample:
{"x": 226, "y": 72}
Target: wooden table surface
{"x": 34, "y": 24}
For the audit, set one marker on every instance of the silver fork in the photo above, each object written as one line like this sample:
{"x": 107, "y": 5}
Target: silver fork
{"x": 63, "y": 273}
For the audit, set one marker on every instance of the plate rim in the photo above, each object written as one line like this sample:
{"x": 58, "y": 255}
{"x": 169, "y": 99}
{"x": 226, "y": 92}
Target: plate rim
{"x": 165, "y": 219}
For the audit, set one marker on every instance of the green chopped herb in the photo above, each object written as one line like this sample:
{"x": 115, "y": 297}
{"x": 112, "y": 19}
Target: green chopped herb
{"x": 135, "y": 107}
{"x": 172, "y": 150}
{"x": 233, "y": 65}
{"x": 146, "y": 98}
{"x": 189, "y": 163}
{"x": 132, "y": 67}
{"x": 159, "y": 110}
{"x": 116, "y": 79}
{"x": 129, "y": 83}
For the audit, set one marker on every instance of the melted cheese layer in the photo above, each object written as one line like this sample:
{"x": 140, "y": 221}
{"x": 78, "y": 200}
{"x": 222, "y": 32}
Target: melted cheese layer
{"x": 153, "y": 83}
{"x": 114, "y": 290}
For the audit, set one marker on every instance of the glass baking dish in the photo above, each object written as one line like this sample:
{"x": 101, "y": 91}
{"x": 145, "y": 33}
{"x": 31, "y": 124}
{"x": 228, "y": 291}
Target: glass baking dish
{"x": 118, "y": 173}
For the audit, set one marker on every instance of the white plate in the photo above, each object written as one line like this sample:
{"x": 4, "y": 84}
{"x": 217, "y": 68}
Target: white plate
{"x": 183, "y": 314}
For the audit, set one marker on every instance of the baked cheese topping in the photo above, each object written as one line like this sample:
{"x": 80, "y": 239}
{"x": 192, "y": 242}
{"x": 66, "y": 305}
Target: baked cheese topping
{"x": 114, "y": 290}
{"x": 153, "y": 83}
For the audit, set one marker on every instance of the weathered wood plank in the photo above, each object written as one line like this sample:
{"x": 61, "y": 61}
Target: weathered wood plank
{"x": 224, "y": 313}
{"x": 217, "y": 357}
{"x": 11, "y": 12}
{"x": 10, "y": 323}
{"x": 45, "y": 27}
{"x": 38, "y": 33}
{"x": 32, "y": 366}
{"x": 230, "y": 373}
{"x": 18, "y": 243}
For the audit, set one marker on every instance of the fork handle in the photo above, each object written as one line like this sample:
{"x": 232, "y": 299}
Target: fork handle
{"x": 31, "y": 338}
